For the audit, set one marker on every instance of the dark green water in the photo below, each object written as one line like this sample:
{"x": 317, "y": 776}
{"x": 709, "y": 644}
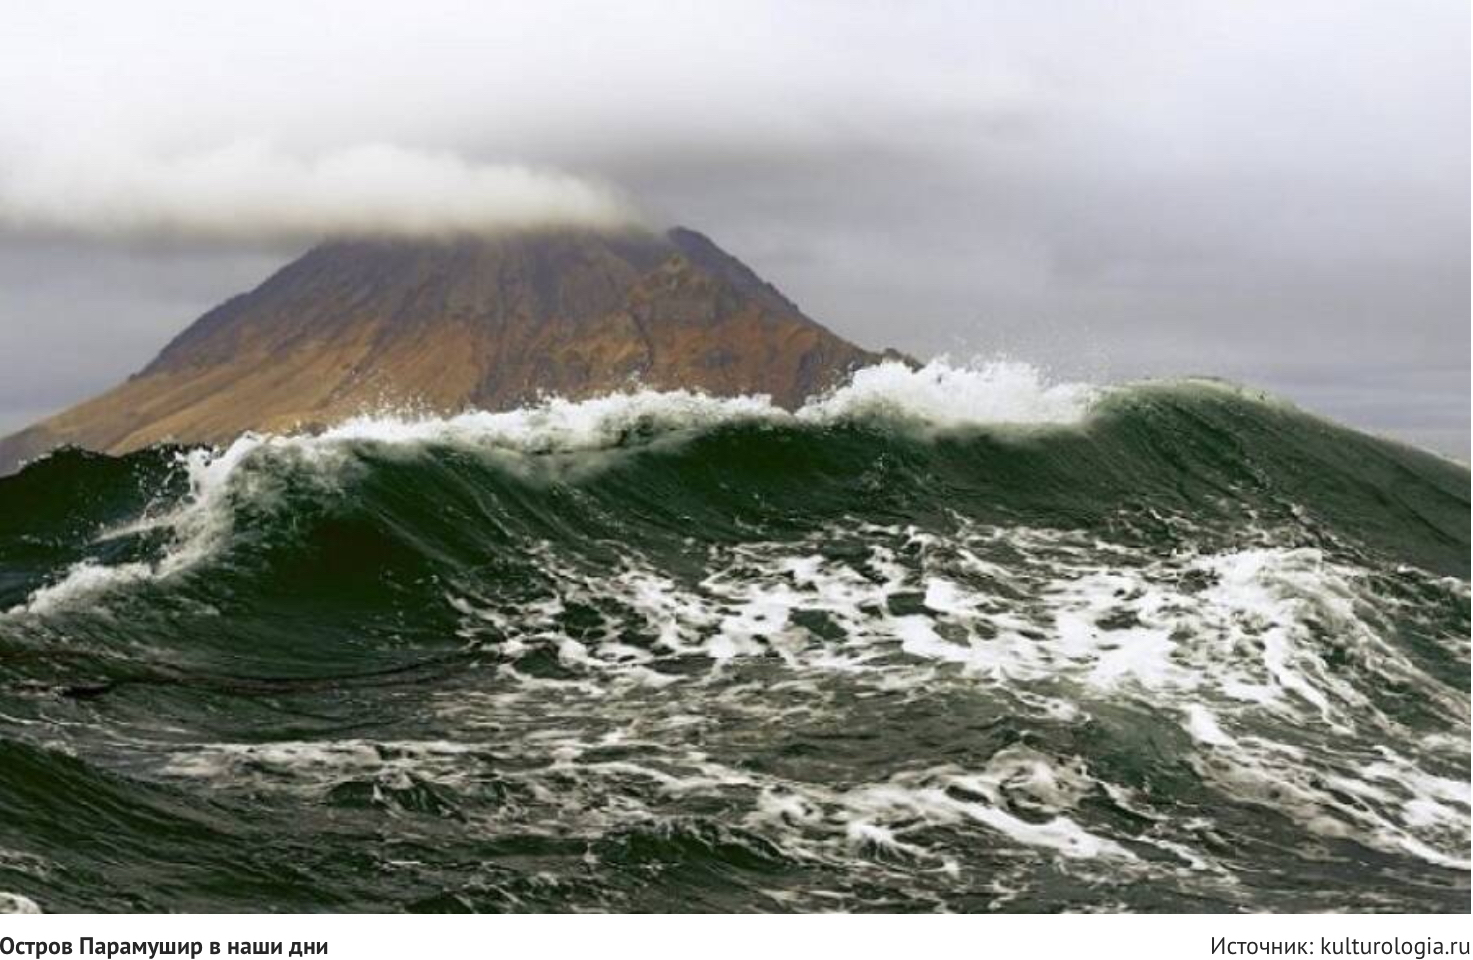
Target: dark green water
{"x": 1172, "y": 648}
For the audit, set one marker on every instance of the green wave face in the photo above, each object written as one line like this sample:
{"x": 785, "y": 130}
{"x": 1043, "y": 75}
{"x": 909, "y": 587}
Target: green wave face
{"x": 1164, "y": 647}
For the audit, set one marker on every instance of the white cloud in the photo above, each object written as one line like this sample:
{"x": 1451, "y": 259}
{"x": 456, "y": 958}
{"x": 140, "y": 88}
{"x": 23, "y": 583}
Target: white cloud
{"x": 250, "y": 190}
{"x": 1134, "y": 187}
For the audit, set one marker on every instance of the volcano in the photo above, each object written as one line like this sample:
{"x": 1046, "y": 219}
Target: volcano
{"x": 445, "y": 325}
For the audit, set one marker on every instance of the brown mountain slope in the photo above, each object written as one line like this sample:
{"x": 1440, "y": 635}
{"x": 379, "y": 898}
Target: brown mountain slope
{"x": 446, "y": 325}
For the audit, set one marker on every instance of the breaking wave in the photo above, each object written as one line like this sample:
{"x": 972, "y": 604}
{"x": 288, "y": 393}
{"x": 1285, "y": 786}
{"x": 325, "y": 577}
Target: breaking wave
{"x": 955, "y": 638}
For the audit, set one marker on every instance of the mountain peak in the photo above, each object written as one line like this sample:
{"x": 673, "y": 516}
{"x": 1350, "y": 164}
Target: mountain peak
{"x": 458, "y": 322}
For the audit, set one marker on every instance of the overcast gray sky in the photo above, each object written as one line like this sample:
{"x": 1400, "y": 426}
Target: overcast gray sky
{"x": 1276, "y": 192}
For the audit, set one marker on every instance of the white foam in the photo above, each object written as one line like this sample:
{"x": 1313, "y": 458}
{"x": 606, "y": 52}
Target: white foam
{"x": 938, "y": 395}
{"x": 941, "y": 395}
{"x": 1233, "y": 643}
{"x": 1204, "y": 728}
{"x": 947, "y": 795}
{"x": 250, "y": 469}
{"x": 83, "y": 581}
{"x": 15, "y": 903}
{"x": 202, "y": 523}
{"x": 1032, "y": 615}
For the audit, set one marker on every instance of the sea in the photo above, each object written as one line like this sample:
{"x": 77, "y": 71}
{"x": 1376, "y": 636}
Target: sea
{"x": 960, "y": 638}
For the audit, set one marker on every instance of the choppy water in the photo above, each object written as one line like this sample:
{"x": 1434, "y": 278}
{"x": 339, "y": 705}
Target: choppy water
{"x": 948, "y": 640}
